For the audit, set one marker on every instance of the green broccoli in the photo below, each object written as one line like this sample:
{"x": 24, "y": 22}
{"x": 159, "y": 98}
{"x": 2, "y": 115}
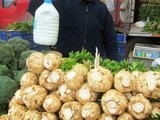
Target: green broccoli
{"x": 3, "y": 109}
{"x": 19, "y": 45}
{"x": 21, "y": 26}
{"x": 18, "y": 74}
{"x": 4, "y": 71}
{"x": 13, "y": 65}
{"x": 8, "y": 87}
{"x": 1, "y": 41}
{"x": 23, "y": 57}
{"x": 6, "y": 54}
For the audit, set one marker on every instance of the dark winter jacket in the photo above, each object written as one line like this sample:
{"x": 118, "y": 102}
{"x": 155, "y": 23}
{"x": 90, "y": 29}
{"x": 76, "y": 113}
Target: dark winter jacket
{"x": 83, "y": 26}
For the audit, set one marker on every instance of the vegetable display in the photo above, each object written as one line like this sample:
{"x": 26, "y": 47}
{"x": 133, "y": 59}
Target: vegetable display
{"x": 14, "y": 53}
{"x": 90, "y": 89}
{"x": 152, "y": 26}
{"x": 149, "y": 13}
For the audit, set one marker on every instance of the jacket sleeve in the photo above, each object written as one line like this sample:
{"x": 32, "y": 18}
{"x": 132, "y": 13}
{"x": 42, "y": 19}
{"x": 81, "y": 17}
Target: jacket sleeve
{"x": 110, "y": 39}
{"x": 33, "y": 5}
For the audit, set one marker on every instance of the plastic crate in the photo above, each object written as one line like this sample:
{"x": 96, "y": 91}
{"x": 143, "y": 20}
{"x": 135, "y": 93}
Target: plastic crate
{"x": 6, "y": 35}
{"x": 120, "y": 57}
{"x": 121, "y": 48}
{"x": 121, "y": 38}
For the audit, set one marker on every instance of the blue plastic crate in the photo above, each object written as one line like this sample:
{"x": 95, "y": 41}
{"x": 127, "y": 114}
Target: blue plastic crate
{"x": 121, "y": 48}
{"x": 121, "y": 38}
{"x": 3, "y": 35}
{"x": 26, "y": 36}
{"x": 14, "y": 34}
{"x": 6, "y": 35}
{"x": 121, "y": 57}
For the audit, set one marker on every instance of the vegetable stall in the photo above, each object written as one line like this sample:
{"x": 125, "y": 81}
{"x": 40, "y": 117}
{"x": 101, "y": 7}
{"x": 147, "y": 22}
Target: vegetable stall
{"x": 82, "y": 87}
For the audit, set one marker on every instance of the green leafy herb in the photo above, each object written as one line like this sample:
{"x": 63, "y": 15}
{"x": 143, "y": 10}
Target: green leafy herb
{"x": 111, "y": 65}
{"x": 156, "y": 117}
{"x": 21, "y": 26}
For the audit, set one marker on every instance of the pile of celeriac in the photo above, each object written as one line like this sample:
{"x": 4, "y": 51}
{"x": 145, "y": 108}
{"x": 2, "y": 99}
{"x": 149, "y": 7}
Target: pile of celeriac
{"x": 84, "y": 92}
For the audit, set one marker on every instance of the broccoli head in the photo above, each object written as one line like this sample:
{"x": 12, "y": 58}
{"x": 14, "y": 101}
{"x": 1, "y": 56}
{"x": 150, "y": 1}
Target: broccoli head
{"x": 8, "y": 87}
{"x": 18, "y": 74}
{"x": 1, "y": 41}
{"x": 6, "y": 54}
{"x": 19, "y": 45}
{"x": 3, "y": 109}
{"x": 23, "y": 57}
{"x": 4, "y": 71}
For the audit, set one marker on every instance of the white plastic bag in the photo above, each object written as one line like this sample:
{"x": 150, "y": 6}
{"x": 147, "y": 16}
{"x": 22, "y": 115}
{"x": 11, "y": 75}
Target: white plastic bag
{"x": 110, "y": 5}
{"x": 156, "y": 62}
{"x": 140, "y": 24}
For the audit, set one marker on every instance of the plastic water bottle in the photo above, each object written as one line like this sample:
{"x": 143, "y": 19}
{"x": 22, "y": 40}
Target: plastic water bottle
{"x": 46, "y": 24}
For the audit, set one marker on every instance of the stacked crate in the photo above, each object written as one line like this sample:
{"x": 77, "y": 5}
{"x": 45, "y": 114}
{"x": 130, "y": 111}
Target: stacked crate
{"x": 121, "y": 38}
{"x": 6, "y": 35}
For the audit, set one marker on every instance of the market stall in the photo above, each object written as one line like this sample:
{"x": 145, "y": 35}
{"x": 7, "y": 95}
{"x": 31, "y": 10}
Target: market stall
{"x": 84, "y": 87}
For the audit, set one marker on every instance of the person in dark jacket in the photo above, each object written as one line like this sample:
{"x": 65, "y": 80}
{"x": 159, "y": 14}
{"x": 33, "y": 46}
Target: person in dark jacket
{"x": 83, "y": 24}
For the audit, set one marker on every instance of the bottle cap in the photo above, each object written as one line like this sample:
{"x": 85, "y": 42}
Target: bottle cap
{"x": 50, "y": 1}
